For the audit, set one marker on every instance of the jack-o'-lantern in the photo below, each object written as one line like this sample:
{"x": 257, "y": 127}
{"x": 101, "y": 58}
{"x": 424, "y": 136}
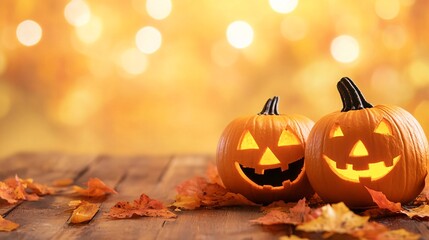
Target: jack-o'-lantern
{"x": 262, "y": 156}
{"x": 381, "y": 147}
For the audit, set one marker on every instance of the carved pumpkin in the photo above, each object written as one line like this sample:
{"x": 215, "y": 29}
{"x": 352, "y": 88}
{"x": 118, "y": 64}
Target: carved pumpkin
{"x": 262, "y": 156}
{"x": 381, "y": 147}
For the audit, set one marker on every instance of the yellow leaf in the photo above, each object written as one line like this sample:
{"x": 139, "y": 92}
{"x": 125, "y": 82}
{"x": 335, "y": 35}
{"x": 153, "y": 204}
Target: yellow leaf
{"x": 84, "y": 212}
{"x": 6, "y": 225}
{"x": 336, "y": 218}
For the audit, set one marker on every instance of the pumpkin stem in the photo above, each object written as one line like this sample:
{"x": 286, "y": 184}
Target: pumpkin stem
{"x": 351, "y": 96}
{"x": 270, "y": 107}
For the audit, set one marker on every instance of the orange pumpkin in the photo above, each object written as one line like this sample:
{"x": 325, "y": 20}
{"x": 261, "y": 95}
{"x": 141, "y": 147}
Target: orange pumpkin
{"x": 262, "y": 156}
{"x": 381, "y": 147}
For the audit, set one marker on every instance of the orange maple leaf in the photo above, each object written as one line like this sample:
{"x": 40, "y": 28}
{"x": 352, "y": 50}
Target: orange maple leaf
{"x": 281, "y": 213}
{"x": 198, "y": 192}
{"x": 144, "y": 206}
{"x": 96, "y": 188}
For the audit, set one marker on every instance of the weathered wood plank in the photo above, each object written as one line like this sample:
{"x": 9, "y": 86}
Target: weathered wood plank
{"x": 140, "y": 176}
{"x": 43, "y": 168}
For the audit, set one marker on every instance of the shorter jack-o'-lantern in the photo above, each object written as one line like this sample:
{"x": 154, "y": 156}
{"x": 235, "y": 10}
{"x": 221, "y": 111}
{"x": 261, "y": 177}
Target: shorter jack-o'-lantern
{"x": 262, "y": 156}
{"x": 380, "y": 147}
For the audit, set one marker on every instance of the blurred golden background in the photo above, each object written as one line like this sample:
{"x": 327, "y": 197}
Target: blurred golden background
{"x": 166, "y": 76}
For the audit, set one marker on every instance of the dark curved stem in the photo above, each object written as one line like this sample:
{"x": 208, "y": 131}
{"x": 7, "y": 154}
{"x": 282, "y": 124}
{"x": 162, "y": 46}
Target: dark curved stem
{"x": 351, "y": 96}
{"x": 271, "y": 107}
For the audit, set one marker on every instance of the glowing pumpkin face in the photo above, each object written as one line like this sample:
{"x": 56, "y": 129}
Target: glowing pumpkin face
{"x": 380, "y": 147}
{"x": 359, "y": 148}
{"x": 262, "y": 156}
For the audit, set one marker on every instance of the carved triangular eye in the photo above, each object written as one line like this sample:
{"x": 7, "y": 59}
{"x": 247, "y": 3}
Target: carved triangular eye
{"x": 336, "y": 132}
{"x": 384, "y": 128}
{"x": 288, "y": 138}
{"x": 247, "y": 142}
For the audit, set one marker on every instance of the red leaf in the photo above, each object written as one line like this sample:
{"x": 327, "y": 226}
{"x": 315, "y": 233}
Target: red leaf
{"x": 144, "y": 206}
{"x": 382, "y": 202}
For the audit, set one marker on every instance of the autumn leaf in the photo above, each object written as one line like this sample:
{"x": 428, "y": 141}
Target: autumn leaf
{"x": 84, "y": 211}
{"x": 282, "y": 214}
{"x": 213, "y": 175}
{"x": 198, "y": 192}
{"x": 144, "y": 207}
{"x": 6, "y": 225}
{"x": 398, "y": 234}
{"x": 382, "y": 202}
{"x": 292, "y": 237}
{"x": 336, "y": 218}
{"x": 420, "y": 211}
{"x": 96, "y": 188}
{"x": 63, "y": 182}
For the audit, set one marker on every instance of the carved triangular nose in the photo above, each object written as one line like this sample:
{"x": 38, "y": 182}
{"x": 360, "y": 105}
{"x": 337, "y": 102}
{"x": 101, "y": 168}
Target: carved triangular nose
{"x": 268, "y": 158}
{"x": 358, "y": 150}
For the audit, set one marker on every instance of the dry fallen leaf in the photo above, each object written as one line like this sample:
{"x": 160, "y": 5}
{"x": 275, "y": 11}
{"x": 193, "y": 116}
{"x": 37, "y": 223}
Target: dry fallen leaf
{"x": 213, "y": 175}
{"x": 14, "y": 188}
{"x": 84, "y": 211}
{"x": 292, "y": 237}
{"x": 281, "y": 214}
{"x": 398, "y": 234}
{"x": 144, "y": 207}
{"x": 382, "y": 202}
{"x": 420, "y": 211}
{"x": 64, "y": 182}
{"x": 6, "y": 225}
{"x": 96, "y": 188}
{"x": 198, "y": 192}
{"x": 336, "y": 218}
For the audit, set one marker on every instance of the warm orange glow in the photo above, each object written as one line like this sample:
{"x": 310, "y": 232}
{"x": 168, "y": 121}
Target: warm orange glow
{"x": 336, "y": 132}
{"x": 288, "y": 138}
{"x": 359, "y": 150}
{"x": 374, "y": 172}
{"x": 384, "y": 128}
{"x": 247, "y": 142}
{"x": 268, "y": 158}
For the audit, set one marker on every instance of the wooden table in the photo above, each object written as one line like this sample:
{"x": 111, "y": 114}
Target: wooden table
{"x": 131, "y": 176}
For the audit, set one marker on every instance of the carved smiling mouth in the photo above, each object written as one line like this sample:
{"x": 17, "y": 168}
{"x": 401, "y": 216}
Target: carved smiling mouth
{"x": 374, "y": 172}
{"x": 272, "y": 178}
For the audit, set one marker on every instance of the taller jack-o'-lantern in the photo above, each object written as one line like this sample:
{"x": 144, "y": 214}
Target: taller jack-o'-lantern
{"x": 380, "y": 147}
{"x": 262, "y": 156}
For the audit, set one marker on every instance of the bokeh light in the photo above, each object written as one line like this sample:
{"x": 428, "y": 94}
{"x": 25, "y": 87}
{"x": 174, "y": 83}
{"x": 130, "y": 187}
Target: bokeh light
{"x": 133, "y": 61}
{"x": 345, "y": 49}
{"x": 29, "y": 33}
{"x": 283, "y": 6}
{"x": 387, "y": 9}
{"x": 131, "y": 77}
{"x": 158, "y": 9}
{"x": 91, "y": 31}
{"x": 148, "y": 39}
{"x": 239, "y": 34}
{"x": 77, "y": 13}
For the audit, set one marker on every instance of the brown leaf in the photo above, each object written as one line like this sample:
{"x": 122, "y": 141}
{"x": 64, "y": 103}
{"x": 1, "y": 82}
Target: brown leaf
{"x": 336, "y": 218}
{"x": 84, "y": 211}
{"x": 295, "y": 215}
{"x": 421, "y": 212}
{"x": 198, "y": 192}
{"x": 96, "y": 188}
{"x": 292, "y": 237}
{"x": 144, "y": 207}
{"x": 7, "y": 193}
{"x": 6, "y": 225}
{"x": 370, "y": 230}
{"x": 382, "y": 202}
